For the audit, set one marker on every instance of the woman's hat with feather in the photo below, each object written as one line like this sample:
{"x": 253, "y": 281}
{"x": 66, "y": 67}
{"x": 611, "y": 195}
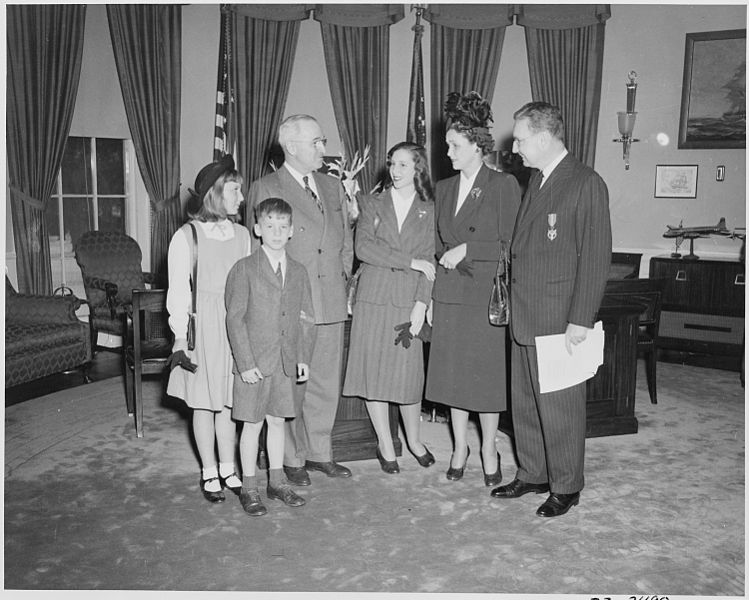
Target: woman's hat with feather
{"x": 470, "y": 114}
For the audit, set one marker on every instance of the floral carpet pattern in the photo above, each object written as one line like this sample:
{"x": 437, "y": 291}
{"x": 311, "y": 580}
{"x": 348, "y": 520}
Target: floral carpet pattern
{"x": 89, "y": 506}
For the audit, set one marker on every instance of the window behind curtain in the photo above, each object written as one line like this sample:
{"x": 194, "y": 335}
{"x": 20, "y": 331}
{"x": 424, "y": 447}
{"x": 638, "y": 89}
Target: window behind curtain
{"x": 91, "y": 193}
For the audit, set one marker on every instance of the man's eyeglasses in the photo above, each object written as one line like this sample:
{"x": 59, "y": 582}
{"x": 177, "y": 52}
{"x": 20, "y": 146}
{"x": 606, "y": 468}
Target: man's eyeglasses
{"x": 315, "y": 142}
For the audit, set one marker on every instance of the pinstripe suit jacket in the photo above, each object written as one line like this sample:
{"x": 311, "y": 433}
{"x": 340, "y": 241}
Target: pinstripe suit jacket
{"x": 559, "y": 279}
{"x": 386, "y": 253}
{"x": 323, "y": 243}
{"x": 486, "y": 217}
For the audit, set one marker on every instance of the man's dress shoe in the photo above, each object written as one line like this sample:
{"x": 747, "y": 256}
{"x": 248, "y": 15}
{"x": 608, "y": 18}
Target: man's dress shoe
{"x": 251, "y": 503}
{"x": 284, "y": 493}
{"x": 517, "y": 488}
{"x": 297, "y": 475}
{"x": 330, "y": 468}
{"x": 558, "y": 504}
{"x": 211, "y": 496}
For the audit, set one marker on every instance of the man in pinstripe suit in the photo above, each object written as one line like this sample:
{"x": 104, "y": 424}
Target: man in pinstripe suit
{"x": 560, "y": 256}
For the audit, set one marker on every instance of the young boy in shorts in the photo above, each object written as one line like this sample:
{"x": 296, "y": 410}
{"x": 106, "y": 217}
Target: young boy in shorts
{"x": 270, "y": 321}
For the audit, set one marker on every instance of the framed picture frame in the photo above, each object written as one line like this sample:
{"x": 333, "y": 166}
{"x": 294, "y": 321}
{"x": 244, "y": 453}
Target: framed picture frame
{"x": 675, "y": 181}
{"x": 713, "y": 109}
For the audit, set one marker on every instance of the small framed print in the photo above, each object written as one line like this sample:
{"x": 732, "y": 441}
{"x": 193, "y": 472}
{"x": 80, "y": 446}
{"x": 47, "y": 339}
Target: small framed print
{"x": 676, "y": 181}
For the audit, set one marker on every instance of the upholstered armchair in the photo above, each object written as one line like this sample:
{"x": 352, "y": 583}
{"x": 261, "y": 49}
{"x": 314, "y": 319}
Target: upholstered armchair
{"x": 43, "y": 336}
{"x": 110, "y": 263}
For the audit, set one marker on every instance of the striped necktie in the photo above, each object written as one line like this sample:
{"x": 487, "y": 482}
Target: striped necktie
{"x": 311, "y": 193}
{"x": 279, "y": 274}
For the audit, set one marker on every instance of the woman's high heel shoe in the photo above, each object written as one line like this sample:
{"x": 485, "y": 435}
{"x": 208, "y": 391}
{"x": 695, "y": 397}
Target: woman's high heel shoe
{"x": 492, "y": 479}
{"x": 389, "y": 466}
{"x": 427, "y": 459}
{"x": 454, "y": 474}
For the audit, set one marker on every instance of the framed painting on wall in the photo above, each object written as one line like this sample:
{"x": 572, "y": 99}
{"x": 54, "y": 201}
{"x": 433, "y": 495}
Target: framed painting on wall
{"x": 675, "y": 181}
{"x": 713, "y": 92}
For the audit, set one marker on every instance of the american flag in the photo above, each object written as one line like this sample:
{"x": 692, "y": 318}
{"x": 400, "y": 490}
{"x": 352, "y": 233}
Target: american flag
{"x": 416, "y": 128}
{"x": 223, "y": 92}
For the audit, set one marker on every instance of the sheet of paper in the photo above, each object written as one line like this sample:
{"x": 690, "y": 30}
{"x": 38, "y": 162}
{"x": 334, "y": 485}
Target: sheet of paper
{"x": 557, "y": 369}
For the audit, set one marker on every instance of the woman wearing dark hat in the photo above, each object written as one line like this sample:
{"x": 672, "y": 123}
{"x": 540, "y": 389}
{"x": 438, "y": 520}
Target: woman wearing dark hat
{"x": 208, "y": 391}
{"x": 474, "y": 211}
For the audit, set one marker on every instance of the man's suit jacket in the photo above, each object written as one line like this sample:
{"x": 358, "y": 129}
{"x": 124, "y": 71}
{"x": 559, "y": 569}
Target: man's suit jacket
{"x": 561, "y": 252}
{"x": 322, "y": 242}
{"x": 386, "y": 253}
{"x": 270, "y": 326}
{"x": 486, "y": 217}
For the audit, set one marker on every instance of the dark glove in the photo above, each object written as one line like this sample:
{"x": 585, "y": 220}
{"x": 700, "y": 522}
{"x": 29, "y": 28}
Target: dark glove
{"x": 179, "y": 359}
{"x": 404, "y": 336}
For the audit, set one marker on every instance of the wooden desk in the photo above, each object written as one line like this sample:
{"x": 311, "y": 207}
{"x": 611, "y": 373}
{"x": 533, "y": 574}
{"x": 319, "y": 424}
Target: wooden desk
{"x": 611, "y": 391}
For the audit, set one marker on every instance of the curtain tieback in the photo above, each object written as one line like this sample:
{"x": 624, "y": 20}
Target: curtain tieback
{"x": 25, "y": 198}
{"x": 160, "y": 207}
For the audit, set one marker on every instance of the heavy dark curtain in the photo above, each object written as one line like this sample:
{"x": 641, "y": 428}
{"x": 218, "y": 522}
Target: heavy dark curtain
{"x": 147, "y": 42}
{"x": 356, "y": 43}
{"x": 565, "y": 60}
{"x": 45, "y": 46}
{"x": 263, "y": 43}
{"x": 466, "y": 47}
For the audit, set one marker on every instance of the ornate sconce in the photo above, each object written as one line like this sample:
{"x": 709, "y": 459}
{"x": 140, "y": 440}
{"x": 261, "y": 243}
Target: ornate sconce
{"x": 626, "y": 120}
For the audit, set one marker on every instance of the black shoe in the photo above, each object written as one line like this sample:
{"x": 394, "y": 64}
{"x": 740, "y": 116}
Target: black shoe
{"x": 495, "y": 478}
{"x": 236, "y": 489}
{"x": 214, "y": 497}
{"x": 389, "y": 466}
{"x": 330, "y": 468}
{"x": 297, "y": 475}
{"x": 284, "y": 492}
{"x": 517, "y": 488}
{"x": 558, "y": 504}
{"x": 427, "y": 459}
{"x": 251, "y": 503}
{"x": 454, "y": 474}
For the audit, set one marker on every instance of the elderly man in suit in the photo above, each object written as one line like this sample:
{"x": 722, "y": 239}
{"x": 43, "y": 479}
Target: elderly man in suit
{"x": 560, "y": 255}
{"x": 323, "y": 243}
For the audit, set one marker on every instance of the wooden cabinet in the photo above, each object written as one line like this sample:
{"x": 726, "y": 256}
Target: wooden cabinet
{"x": 703, "y": 305}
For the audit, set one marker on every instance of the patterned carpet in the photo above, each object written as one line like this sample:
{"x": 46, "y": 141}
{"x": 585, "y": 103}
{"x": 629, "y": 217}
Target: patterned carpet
{"x": 90, "y": 507}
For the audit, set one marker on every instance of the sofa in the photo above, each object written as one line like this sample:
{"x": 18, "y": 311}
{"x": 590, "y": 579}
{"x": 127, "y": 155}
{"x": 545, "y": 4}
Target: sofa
{"x": 43, "y": 336}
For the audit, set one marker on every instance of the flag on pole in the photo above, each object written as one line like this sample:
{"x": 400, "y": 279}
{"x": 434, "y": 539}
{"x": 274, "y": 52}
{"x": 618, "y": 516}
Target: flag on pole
{"x": 416, "y": 128}
{"x": 223, "y": 93}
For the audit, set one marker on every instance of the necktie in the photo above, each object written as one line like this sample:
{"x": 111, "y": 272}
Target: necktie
{"x": 279, "y": 274}
{"x": 309, "y": 191}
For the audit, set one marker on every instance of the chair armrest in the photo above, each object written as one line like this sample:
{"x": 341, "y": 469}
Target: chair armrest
{"x": 109, "y": 288}
{"x": 22, "y": 308}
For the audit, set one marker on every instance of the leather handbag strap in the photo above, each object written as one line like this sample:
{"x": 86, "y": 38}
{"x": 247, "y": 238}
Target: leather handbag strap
{"x": 194, "y": 282}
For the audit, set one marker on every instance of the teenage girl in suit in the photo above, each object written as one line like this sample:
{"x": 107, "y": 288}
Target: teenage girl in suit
{"x": 474, "y": 212}
{"x": 395, "y": 244}
{"x": 208, "y": 391}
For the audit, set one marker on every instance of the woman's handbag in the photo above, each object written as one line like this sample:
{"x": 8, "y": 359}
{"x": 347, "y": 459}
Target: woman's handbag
{"x": 499, "y": 301}
{"x": 193, "y": 286}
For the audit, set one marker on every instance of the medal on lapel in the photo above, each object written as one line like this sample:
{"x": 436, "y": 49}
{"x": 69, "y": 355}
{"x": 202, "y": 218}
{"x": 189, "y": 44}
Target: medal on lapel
{"x": 552, "y": 232}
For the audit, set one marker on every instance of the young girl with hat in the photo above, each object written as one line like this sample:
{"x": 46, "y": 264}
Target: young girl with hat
{"x": 208, "y": 391}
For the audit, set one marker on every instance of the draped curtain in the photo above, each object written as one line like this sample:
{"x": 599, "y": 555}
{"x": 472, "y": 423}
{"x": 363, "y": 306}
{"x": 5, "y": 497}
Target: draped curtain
{"x": 45, "y": 47}
{"x": 263, "y": 43}
{"x": 466, "y": 47}
{"x": 356, "y": 43}
{"x": 147, "y": 43}
{"x": 565, "y": 60}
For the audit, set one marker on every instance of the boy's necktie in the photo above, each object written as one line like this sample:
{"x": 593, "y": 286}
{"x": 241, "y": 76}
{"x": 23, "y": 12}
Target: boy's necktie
{"x": 279, "y": 274}
{"x": 309, "y": 191}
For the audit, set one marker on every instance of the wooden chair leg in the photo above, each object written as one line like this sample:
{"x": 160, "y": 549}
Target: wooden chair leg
{"x": 651, "y": 357}
{"x": 129, "y": 391}
{"x": 138, "y": 399}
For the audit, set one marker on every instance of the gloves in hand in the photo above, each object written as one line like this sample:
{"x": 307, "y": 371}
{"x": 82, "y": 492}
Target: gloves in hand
{"x": 179, "y": 359}
{"x": 404, "y": 336}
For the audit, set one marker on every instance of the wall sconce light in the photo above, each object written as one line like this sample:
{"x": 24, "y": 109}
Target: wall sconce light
{"x": 626, "y": 120}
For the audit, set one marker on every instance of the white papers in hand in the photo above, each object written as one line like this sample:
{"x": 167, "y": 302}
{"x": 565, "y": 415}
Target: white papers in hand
{"x": 557, "y": 369}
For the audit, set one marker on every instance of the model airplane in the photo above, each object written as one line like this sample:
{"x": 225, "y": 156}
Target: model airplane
{"x": 689, "y": 233}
